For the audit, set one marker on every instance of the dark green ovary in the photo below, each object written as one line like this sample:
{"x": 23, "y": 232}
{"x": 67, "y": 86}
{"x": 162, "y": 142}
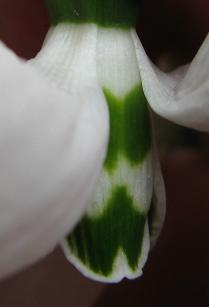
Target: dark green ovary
{"x": 96, "y": 241}
{"x": 130, "y": 129}
{"x": 106, "y": 13}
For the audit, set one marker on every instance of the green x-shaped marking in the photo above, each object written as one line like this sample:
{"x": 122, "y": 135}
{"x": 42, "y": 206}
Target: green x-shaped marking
{"x": 130, "y": 132}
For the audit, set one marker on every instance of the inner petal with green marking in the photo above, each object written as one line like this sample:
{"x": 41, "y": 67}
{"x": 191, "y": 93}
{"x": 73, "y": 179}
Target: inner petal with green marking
{"x": 114, "y": 228}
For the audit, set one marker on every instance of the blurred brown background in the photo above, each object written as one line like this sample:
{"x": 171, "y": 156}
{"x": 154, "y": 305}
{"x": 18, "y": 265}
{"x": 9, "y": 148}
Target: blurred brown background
{"x": 176, "y": 274}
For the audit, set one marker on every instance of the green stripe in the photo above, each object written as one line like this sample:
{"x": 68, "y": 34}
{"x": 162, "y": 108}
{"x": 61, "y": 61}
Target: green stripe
{"x": 107, "y": 13}
{"x": 120, "y": 226}
{"x": 130, "y": 128}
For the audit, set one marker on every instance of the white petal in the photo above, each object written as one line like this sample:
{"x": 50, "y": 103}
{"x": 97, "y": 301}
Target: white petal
{"x": 52, "y": 147}
{"x": 181, "y": 96}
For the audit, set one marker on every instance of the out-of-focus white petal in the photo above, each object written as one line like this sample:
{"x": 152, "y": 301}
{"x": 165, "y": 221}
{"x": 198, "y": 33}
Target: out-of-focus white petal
{"x": 52, "y": 146}
{"x": 181, "y": 96}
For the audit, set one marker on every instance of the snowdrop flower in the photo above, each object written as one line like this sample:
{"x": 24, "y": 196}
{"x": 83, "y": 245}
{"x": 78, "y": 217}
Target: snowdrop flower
{"x": 76, "y": 138}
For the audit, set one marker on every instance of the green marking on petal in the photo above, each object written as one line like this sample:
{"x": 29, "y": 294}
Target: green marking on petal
{"x": 116, "y": 130}
{"x": 97, "y": 240}
{"x": 130, "y": 128}
{"x": 137, "y": 127}
{"x": 107, "y": 13}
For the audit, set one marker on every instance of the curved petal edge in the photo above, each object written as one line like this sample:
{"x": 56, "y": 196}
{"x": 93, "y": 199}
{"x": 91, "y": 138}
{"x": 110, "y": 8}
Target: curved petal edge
{"x": 181, "y": 96}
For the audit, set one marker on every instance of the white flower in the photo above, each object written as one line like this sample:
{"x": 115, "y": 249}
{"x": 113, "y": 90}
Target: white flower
{"x": 54, "y": 127}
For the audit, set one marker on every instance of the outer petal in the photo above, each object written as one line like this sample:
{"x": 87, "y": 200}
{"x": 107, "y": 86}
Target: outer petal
{"x": 52, "y": 147}
{"x": 182, "y": 96}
